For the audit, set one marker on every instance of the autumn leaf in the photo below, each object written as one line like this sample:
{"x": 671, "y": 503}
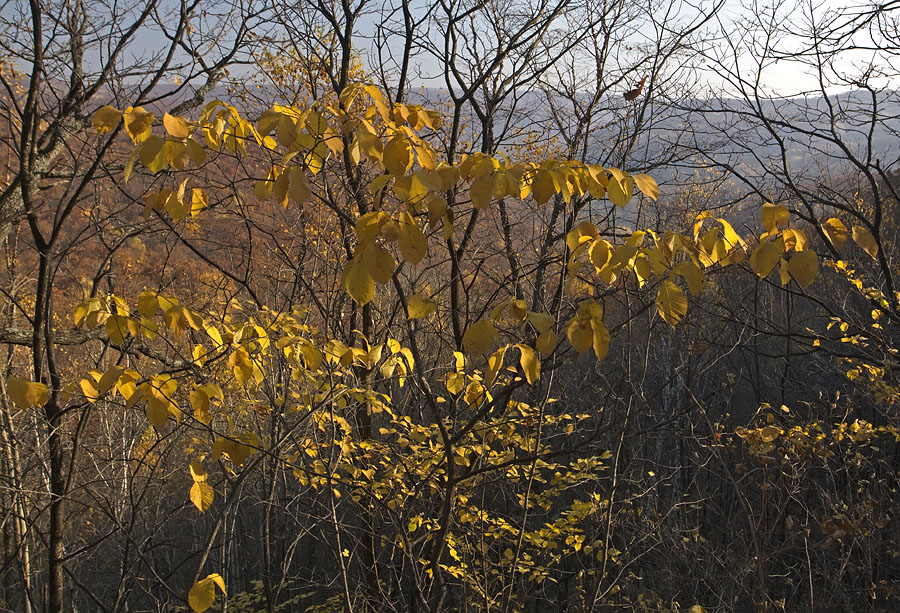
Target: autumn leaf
{"x": 202, "y": 495}
{"x": 106, "y": 118}
{"x": 803, "y": 267}
{"x": 773, "y": 216}
{"x": 202, "y": 596}
{"x": 419, "y": 306}
{"x": 177, "y": 127}
{"x": 138, "y": 123}
{"x": 413, "y": 244}
{"x": 26, "y": 394}
{"x": 478, "y": 339}
{"x": 647, "y": 185}
{"x": 765, "y": 257}
{"x": 358, "y": 282}
{"x": 671, "y": 302}
{"x": 836, "y": 232}
{"x": 864, "y": 239}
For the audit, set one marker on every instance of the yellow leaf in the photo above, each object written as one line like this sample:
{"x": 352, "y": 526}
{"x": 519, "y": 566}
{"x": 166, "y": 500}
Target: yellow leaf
{"x": 803, "y": 267}
{"x": 398, "y": 156}
{"x": 482, "y": 191}
{"x": 89, "y": 389}
{"x": 148, "y": 304}
{"x": 109, "y": 379}
{"x": 138, "y": 123}
{"x": 474, "y": 394}
{"x": 543, "y": 186}
{"x": 864, "y": 239}
{"x": 157, "y": 411}
{"x": 671, "y": 302}
{"x": 298, "y": 188}
{"x": 455, "y": 382}
{"x": 177, "y": 127}
{"x": 546, "y": 342}
{"x": 692, "y": 274}
{"x": 106, "y": 118}
{"x": 733, "y": 238}
{"x": 26, "y": 394}
{"x": 766, "y": 256}
{"x": 794, "y": 239}
{"x": 200, "y": 404}
{"x": 420, "y": 306}
{"x": 202, "y": 495}
{"x": 151, "y": 154}
{"x": 199, "y": 201}
{"x": 541, "y": 321}
{"x": 116, "y": 328}
{"x": 378, "y": 263}
{"x": 580, "y": 334}
{"x": 773, "y": 216}
{"x": 784, "y": 273}
{"x": 358, "y": 282}
{"x": 599, "y": 252}
{"x": 479, "y": 337}
{"x": 495, "y": 362}
{"x": 530, "y": 363}
{"x": 647, "y": 185}
{"x": 617, "y": 190}
{"x": 198, "y": 473}
{"x": 195, "y": 152}
{"x": 600, "y": 338}
{"x": 413, "y": 244}
{"x": 836, "y": 232}
{"x": 203, "y": 594}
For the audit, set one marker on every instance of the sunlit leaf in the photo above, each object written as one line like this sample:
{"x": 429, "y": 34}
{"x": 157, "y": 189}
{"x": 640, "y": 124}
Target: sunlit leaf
{"x": 26, "y": 394}
{"x": 202, "y": 495}
{"x": 203, "y": 594}
{"x": 671, "y": 302}
{"x": 647, "y": 185}
{"x": 864, "y": 238}
{"x": 836, "y": 232}
{"x": 106, "y": 118}
{"x": 530, "y": 363}
{"x": 358, "y": 282}
{"x": 177, "y": 127}
{"x": 803, "y": 267}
